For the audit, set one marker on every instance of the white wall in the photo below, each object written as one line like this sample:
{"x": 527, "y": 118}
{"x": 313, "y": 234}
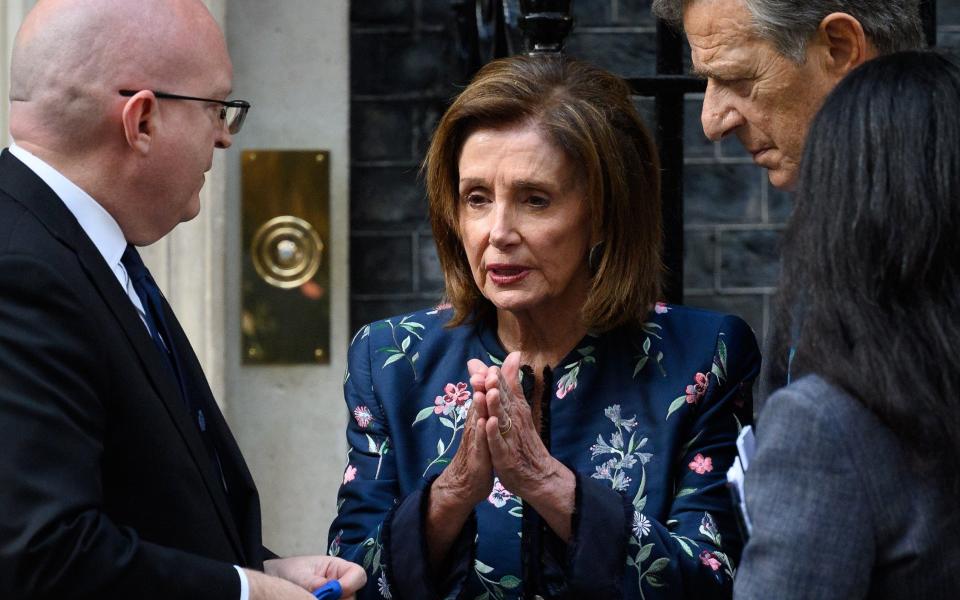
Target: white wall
{"x": 290, "y": 61}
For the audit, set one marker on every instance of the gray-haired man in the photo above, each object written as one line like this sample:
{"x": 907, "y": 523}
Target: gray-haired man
{"x": 769, "y": 64}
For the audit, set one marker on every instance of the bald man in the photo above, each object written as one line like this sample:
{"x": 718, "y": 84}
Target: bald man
{"x": 119, "y": 477}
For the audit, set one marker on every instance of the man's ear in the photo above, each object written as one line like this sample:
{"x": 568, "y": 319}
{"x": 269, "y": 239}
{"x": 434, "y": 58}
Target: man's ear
{"x": 845, "y": 43}
{"x": 140, "y": 118}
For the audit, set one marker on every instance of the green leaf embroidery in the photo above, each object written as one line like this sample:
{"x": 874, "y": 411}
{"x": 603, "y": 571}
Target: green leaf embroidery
{"x": 482, "y": 568}
{"x": 393, "y": 359}
{"x": 423, "y": 414}
{"x": 719, "y": 368}
{"x": 658, "y": 565}
{"x": 644, "y": 553}
{"x": 654, "y": 581}
{"x": 675, "y": 405}
{"x": 686, "y": 492}
{"x": 640, "y": 501}
{"x": 509, "y": 582}
{"x": 640, "y": 365}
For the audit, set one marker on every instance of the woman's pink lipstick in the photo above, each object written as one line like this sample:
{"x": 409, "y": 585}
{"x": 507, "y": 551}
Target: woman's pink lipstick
{"x": 503, "y": 274}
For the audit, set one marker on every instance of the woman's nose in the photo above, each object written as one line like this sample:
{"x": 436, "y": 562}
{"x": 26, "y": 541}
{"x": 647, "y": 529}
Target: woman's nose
{"x": 503, "y": 230}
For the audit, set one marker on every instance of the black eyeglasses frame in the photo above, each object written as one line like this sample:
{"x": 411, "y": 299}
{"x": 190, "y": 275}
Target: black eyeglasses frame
{"x": 233, "y": 126}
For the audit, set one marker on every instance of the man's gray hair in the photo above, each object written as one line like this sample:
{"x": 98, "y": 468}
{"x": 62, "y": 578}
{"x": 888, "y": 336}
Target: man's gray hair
{"x": 890, "y": 25}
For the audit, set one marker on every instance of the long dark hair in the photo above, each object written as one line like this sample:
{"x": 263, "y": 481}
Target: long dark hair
{"x": 870, "y": 295}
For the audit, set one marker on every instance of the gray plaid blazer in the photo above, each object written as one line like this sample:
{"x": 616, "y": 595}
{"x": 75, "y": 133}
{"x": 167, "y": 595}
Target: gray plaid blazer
{"x": 838, "y": 509}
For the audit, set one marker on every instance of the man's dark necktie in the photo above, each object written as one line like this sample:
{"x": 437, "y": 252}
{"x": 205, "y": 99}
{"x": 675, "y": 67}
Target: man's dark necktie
{"x": 150, "y": 297}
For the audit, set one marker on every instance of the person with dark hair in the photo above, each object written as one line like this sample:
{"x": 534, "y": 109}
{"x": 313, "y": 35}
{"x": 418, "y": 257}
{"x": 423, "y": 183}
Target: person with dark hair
{"x": 600, "y": 473}
{"x": 769, "y": 63}
{"x": 853, "y": 490}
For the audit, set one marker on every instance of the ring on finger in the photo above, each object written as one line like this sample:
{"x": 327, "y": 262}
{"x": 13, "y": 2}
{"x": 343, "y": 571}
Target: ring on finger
{"x": 505, "y": 430}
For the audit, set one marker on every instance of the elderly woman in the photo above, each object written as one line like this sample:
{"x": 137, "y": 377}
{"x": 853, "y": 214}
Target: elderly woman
{"x": 853, "y": 491}
{"x": 600, "y": 472}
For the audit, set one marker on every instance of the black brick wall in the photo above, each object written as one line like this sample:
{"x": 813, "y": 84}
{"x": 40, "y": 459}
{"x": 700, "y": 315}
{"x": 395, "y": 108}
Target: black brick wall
{"x": 403, "y": 72}
{"x": 948, "y": 20}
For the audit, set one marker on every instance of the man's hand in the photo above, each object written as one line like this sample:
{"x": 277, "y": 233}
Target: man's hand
{"x": 311, "y": 572}
{"x": 265, "y": 587}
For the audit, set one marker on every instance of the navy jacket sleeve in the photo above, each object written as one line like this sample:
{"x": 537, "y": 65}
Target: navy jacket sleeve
{"x": 378, "y": 526}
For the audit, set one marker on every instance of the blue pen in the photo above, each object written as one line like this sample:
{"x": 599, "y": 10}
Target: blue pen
{"x": 331, "y": 590}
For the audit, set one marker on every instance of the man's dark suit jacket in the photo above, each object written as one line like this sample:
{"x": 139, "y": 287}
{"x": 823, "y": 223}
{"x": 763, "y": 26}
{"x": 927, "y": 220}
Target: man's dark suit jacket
{"x": 106, "y": 488}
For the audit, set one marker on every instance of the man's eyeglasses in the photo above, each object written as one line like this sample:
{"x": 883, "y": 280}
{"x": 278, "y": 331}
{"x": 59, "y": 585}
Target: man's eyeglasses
{"x": 232, "y": 112}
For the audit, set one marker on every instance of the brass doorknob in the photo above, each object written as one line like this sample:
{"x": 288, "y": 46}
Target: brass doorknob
{"x": 286, "y": 251}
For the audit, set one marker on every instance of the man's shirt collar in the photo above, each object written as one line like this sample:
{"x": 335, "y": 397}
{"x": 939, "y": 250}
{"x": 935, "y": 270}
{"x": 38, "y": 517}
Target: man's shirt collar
{"x": 96, "y": 222}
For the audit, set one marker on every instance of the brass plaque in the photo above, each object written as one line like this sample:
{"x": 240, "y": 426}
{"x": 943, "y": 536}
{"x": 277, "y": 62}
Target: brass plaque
{"x": 286, "y": 266}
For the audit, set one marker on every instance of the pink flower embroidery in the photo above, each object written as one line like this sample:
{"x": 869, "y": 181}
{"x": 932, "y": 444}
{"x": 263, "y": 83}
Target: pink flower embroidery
{"x": 696, "y": 391}
{"x": 454, "y": 395}
{"x": 563, "y": 390}
{"x": 661, "y": 308}
{"x": 350, "y": 474}
{"x": 701, "y": 465}
{"x": 499, "y": 496}
{"x": 710, "y": 559}
{"x": 362, "y": 416}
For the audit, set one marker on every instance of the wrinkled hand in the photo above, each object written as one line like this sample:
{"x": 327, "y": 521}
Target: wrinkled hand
{"x": 311, "y": 572}
{"x": 470, "y": 472}
{"x": 519, "y": 457}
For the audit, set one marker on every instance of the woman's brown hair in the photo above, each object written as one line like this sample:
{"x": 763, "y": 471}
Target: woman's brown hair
{"x": 589, "y": 114}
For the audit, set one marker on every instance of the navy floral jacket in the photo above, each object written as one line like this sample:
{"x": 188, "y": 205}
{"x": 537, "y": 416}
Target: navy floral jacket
{"x": 646, "y": 417}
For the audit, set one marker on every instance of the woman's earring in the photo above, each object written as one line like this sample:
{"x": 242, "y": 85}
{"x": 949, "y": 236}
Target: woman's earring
{"x": 593, "y": 259}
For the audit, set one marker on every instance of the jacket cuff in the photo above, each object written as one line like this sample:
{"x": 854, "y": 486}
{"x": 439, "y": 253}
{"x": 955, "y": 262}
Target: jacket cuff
{"x": 407, "y": 562}
{"x": 596, "y": 557}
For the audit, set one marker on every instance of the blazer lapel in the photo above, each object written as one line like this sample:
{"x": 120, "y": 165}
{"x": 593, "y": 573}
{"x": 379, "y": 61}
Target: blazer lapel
{"x": 242, "y": 490}
{"x": 20, "y": 182}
